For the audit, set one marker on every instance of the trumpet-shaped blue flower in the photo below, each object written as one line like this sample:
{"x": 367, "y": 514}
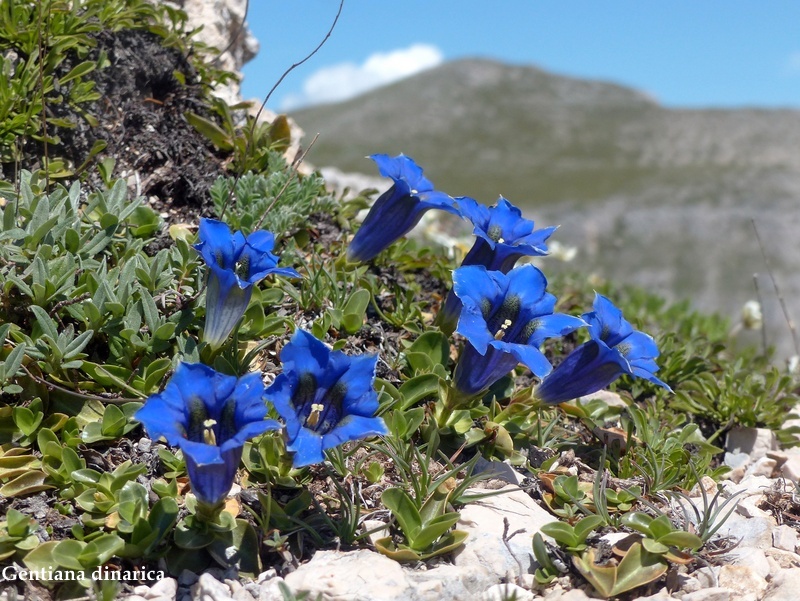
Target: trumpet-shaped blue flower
{"x": 325, "y": 397}
{"x": 398, "y": 209}
{"x": 235, "y": 264}
{"x": 615, "y": 349}
{"x": 209, "y": 416}
{"x": 502, "y": 236}
{"x": 505, "y": 319}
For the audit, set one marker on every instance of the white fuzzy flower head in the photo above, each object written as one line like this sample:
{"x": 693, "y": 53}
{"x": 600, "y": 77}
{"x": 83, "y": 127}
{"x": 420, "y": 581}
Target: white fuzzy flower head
{"x": 752, "y": 318}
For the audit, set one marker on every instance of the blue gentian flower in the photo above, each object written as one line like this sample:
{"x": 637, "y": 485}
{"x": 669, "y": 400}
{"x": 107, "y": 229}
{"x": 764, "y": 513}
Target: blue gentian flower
{"x": 505, "y": 319}
{"x": 502, "y": 236}
{"x": 398, "y": 209}
{"x": 235, "y": 264}
{"x": 615, "y": 349}
{"x": 209, "y": 416}
{"x": 325, "y": 397}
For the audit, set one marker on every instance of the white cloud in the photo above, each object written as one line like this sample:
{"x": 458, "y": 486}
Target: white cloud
{"x": 345, "y": 80}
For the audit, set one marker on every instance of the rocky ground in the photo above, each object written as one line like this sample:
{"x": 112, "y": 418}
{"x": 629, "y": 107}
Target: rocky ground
{"x": 754, "y": 556}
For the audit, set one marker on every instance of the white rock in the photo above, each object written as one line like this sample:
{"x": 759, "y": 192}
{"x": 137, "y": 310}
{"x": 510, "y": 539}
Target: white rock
{"x": 791, "y": 469}
{"x": 209, "y": 588}
{"x": 755, "y": 559}
{"x": 756, "y": 442}
{"x": 485, "y": 550}
{"x": 784, "y": 559}
{"x": 711, "y": 594}
{"x": 356, "y": 576}
{"x": 166, "y": 587}
{"x": 748, "y": 506}
{"x": 378, "y": 529}
{"x": 501, "y": 470}
{"x": 446, "y": 582}
{"x": 763, "y": 467}
{"x": 662, "y": 595}
{"x": 264, "y": 576}
{"x": 743, "y": 580}
{"x": 573, "y": 595}
{"x": 611, "y": 399}
{"x": 785, "y": 586}
{"x": 709, "y": 486}
{"x": 501, "y": 592}
{"x": 707, "y": 576}
{"x": 736, "y": 460}
{"x": 785, "y": 538}
{"x": 243, "y": 595}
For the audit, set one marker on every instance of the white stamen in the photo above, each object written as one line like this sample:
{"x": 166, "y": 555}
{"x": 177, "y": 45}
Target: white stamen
{"x": 313, "y": 418}
{"x": 502, "y": 331}
{"x": 208, "y": 432}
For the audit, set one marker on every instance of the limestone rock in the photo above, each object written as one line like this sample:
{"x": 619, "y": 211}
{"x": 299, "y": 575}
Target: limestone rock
{"x": 209, "y": 588}
{"x": 785, "y": 538}
{"x": 501, "y": 592}
{"x": 756, "y": 442}
{"x": 711, "y": 594}
{"x": 357, "y": 576}
{"x": 485, "y": 551}
{"x": 224, "y": 28}
{"x": 743, "y": 580}
{"x": 784, "y": 586}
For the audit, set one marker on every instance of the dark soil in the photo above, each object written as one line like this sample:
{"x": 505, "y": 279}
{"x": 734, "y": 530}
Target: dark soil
{"x": 141, "y": 118}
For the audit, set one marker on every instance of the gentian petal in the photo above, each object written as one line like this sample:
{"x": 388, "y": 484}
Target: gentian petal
{"x": 589, "y": 368}
{"x": 606, "y": 322}
{"x": 307, "y": 448}
{"x": 323, "y": 396}
{"x": 398, "y": 209}
{"x": 353, "y": 427}
{"x": 505, "y": 318}
{"x": 225, "y": 306}
{"x": 209, "y": 416}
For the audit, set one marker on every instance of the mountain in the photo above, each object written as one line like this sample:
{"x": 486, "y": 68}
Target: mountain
{"x": 660, "y": 197}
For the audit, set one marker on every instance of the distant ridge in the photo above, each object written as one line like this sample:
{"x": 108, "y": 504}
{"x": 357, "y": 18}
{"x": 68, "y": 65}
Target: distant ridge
{"x": 483, "y": 128}
{"x": 656, "y": 196}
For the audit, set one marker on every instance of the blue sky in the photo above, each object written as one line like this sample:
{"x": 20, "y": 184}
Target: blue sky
{"x": 684, "y": 53}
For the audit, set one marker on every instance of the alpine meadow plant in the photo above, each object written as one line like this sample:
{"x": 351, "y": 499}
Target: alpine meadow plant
{"x": 397, "y": 210}
{"x": 505, "y": 319}
{"x": 502, "y": 237}
{"x": 325, "y": 398}
{"x": 615, "y": 349}
{"x": 235, "y": 265}
{"x": 209, "y": 416}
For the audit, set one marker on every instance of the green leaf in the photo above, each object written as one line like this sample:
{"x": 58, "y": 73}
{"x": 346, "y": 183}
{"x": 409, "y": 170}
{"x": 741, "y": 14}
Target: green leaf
{"x": 681, "y": 539}
{"x": 216, "y": 135}
{"x": 14, "y": 360}
{"x": 42, "y": 557}
{"x": 25, "y": 484}
{"x": 561, "y": 532}
{"x": 404, "y": 510}
{"x": 434, "y": 346}
{"x": 77, "y": 71}
{"x": 432, "y": 530}
{"x": 46, "y": 322}
{"x": 100, "y": 550}
{"x": 586, "y": 525}
{"x": 113, "y": 421}
{"x": 66, "y": 554}
{"x": 26, "y": 420}
{"x": 418, "y": 388}
{"x": 638, "y": 521}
